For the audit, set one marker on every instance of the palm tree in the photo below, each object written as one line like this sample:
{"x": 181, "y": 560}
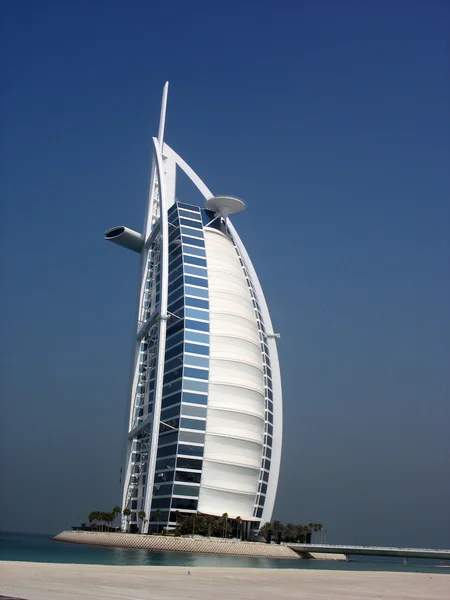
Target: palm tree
{"x": 116, "y": 511}
{"x": 317, "y": 527}
{"x": 238, "y": 526}
{"x": 92, "y": 517}
{"x": 225, "y": 519}
{"x": 158, "y": 516}
{"x": 290, "y": 532}
{"x": 141, "y": 515}
{"x": 209, "y": 522}
{"x": 126, "y": 513}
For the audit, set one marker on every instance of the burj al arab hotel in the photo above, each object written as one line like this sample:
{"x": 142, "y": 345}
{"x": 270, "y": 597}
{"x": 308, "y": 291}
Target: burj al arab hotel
{"x": 205, "y": 419}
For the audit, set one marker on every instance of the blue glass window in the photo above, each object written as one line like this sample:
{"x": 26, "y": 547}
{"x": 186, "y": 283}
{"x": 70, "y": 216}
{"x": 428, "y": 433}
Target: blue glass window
{"x": 196, "y": 361}
{"x": 196, "y": 349}
{"x": 193, "y": 260}
{"x": 189, "y": 214}
{"x": 186, "y": 490}
{"x": 190, "y": 280}
{"x": 195, "y": 398}
{"x": 259, "y": 513}
{"x": 192, "y": 291}
{"x": 195, "y": 386}
{"x": 193, "y": 424}
{"x": 199, "y": 325}
{"x": 194, "y": 251}
{"x": 195, "y": 373}
{"x": 199, "y": 271}
{"x": 194, "y": 411}
{"x": 196, "y": 336}
{"x": 194, "y": 313}
{"x": 186, "y": 231}
{"x": 193, "y": 437}
{"x": 188, "y": 207}
{"x": 189, "y": 222}
{"x": 197, "y": 303}
{"x": 190, "y": 450}
{"x": 266, "y": 476}
{"x": 192, "y": 241}
{"x": 175, "y": 351}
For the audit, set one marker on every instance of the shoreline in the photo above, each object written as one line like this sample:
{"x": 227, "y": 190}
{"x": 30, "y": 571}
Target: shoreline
{"x": 196, "y": 545}
{"x": 55, "y": 581}
{"x": 178, "y": 544}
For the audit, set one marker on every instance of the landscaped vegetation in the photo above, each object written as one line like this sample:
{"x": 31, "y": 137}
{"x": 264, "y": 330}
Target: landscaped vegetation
{"x": 208, "y": 526}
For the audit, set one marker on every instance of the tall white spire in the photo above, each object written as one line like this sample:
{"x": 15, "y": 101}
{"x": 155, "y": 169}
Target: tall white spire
{"x": 162, "y": 118}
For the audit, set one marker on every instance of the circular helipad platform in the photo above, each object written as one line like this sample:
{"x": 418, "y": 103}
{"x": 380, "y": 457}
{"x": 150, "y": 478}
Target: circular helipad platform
{"x": 225, "y": 205}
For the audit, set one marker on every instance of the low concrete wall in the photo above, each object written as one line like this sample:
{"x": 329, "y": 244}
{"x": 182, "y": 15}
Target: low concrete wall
{"x": 176, "y": 544}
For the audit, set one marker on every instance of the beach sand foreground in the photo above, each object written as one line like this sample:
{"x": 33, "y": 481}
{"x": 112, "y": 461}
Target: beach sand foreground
{"x": 49, "y": 581}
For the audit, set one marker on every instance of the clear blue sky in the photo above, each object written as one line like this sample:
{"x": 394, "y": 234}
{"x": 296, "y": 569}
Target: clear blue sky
{"x": 331, "y": 119}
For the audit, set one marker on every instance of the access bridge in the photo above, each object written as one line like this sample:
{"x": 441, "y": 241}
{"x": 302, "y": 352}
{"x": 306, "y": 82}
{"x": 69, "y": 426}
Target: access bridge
{"x": 404, "y": 553}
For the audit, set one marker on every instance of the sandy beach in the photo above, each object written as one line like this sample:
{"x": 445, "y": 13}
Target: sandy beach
{"x": 48, "y": 581}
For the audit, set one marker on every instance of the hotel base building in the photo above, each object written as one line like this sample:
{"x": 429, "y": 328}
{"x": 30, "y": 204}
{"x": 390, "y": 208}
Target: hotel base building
{"x": 205, "y": 420}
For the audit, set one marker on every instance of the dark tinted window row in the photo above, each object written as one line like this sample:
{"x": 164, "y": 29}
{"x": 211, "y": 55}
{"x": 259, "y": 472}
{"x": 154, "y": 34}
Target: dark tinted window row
{"x": 167, "y": 451}
{"x": 189, "y": 463}
{"x": 184, "y": 503}
{"x": 190, "y": 450}
{"x": 167, "y": 437}
{"x": 164, "y": 463}
{"x": 171, "y": 412}
{"x": 161, "y": 502}
{"x": 164, "y": 477}
{"x": 175, "y": 351}
{"x": 172, "y": 387}
{"x": 162, "y": 490}
{"x": 170, "y": 399}
{"x": 186, "y": 490}
{"x": 187, "y": 477}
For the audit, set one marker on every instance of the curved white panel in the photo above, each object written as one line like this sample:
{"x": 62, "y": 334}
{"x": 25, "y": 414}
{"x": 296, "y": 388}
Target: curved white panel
{"x": 235, "y": 413}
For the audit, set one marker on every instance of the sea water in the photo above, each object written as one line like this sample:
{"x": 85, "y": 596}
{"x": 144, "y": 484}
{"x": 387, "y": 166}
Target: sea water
{"x": 41, "y": 548}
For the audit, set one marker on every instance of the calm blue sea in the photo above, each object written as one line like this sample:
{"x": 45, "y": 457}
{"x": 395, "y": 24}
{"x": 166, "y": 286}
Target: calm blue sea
{"x": 41, "y": 548}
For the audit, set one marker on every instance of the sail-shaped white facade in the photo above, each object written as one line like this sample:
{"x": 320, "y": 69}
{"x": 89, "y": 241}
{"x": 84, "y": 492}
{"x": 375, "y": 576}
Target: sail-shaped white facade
{"x": 205, "y": 422}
